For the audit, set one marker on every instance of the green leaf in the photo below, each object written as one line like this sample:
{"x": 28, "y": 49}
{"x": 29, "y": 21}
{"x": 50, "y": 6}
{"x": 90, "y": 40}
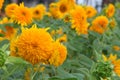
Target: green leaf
{"x": 64, "y": 74}
{"x": 15, "y": 60}
{"x": 85, "y": 61}
{"x": 79, "y": 76}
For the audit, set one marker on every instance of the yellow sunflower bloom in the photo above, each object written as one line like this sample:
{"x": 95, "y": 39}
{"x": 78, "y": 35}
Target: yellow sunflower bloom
{"x": 22, "y": 15}
{"x": 38, "y": 11}
{"x": 115, "y": 62}
{"x": 99, "y": 24}
{"x": 90, "y": 11}
{"x": 53, "y": 9}
{"x": 63, "y": 7}
{"x": 71, "y": 3}
{"x": 79, "y": 21}
{"x": 1, "y": 4}
{"x": 59, "y": 54}
{"x": 10, "y": 9}
{"x": 34, "y": 45}
{"x": 110, "y": 10}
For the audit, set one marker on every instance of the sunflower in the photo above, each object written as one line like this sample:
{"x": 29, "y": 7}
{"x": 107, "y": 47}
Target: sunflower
{"x": 79, "y": 21}
{"x": 63, "y": 7}
{"x": 22, "y": 15}
{"x": 33, "y": 44}
{"x": 38, "y": 11}
{"x": 90, "y": 11}
{"x": 10, "y": 9}
{"x": 99, "y": 24}
{"x": 1, "y": 4}
{"x": 110, "y": 10}
{"x": 115, "y": 62}
{"x": 71, "y": 3}
{"x": 53, "y": 9}
{"x": 59, "y": 54}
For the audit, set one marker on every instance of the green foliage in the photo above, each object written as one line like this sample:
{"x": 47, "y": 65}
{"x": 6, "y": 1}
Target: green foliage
{"x": 103, "y": 70}
{"x": 2, "y": 58}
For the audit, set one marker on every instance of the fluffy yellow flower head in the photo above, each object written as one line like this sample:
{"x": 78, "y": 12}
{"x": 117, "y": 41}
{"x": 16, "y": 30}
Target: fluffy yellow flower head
{"x": 90, "y": 11}
{"x": 115, "y": 62}
{"x": 61, "y": 8}
{"x": 99, "y": 24}
{"x": 110, "y": 10}
{"x": 71, "y": 3}
{"x": 79, "y": 20}
{"x": 53, "y": 8}
{"x": 1, "y": 4}
{"x": 10, "y": 9}
{"x": 38, "y": 11}
{"x": 22, "y": 15}
{"x": 59, "y": 54}
{"x": 34, "y": 45}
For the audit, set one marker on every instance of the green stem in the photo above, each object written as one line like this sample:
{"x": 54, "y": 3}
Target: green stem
{"x": 35, "y": 73}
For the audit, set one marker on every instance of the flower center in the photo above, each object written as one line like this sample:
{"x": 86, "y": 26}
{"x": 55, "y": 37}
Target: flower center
{"x": 63, "y": 8}
{"x": 23, "y": 13}
{"x": 37, "y": 12}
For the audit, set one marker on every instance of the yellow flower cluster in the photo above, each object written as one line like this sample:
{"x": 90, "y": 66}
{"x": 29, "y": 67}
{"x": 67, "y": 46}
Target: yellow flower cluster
{"x": 24, "y": 15}
{"x": 37, "y": 46}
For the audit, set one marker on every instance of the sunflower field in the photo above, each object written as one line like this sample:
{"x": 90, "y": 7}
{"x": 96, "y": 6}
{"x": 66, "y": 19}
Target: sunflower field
{"x": 65, "y": 41}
